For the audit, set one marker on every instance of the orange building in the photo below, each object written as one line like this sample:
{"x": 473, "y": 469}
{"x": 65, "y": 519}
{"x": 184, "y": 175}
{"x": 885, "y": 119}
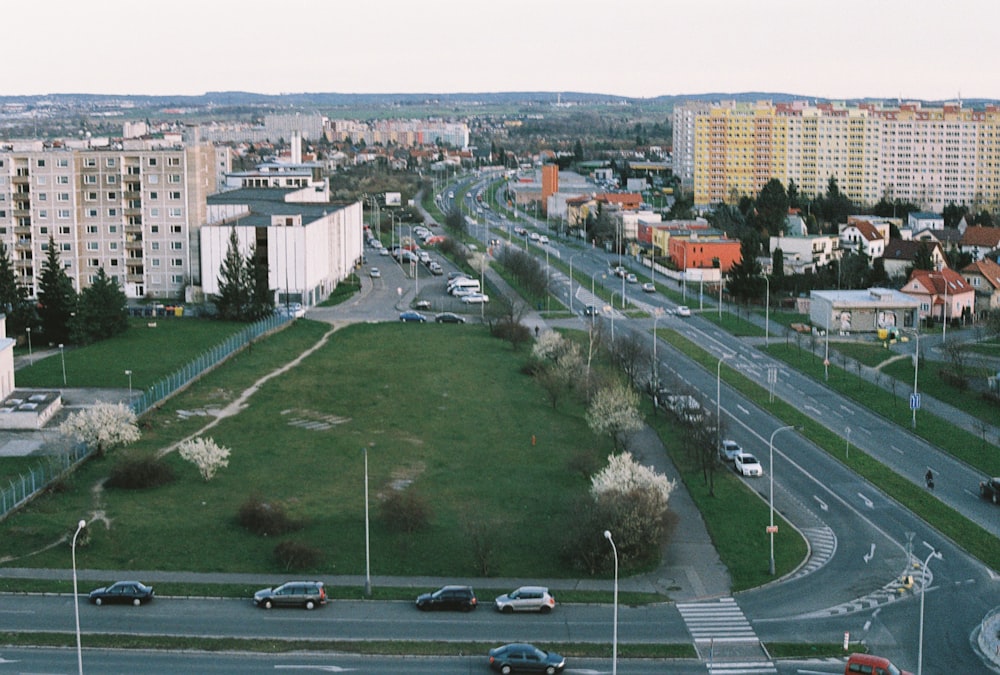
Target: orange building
{"x": 550, "y": 182}
{"x": 699, "y": 251}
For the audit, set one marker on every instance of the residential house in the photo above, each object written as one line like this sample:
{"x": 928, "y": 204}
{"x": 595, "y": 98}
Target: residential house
{"x": 978, "y": 241}
{"x": 984, "y": 276}
{"x": 900, "y": 255}
{"x": 707, "y": 250}
{"x": 864, "y": 237}
{"x": 949, "y": 237}
{"x": 923, "y": 220}
{"x": 943, "y": 294}
{"x": 863, "y": 311}
{"x": 806, "y": 254}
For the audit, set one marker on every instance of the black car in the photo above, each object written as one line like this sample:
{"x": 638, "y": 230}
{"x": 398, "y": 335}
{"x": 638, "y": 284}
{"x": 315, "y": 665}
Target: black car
{"x": 448, "y": 317}
{"x": 990, "y": 489}
{"x": 306, "y": 594}
{"x": 525, "y": 658}
{"x": 461, "y": 598}
{"x": 122, "y": 592}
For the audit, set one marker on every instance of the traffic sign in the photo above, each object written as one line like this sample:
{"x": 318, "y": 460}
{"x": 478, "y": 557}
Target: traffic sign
{"x": 915, "y": 401}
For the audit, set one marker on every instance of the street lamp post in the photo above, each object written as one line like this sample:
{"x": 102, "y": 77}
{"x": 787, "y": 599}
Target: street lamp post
{"x": 614, "y": 634}
{"x": 656, "y": 364}
{"x": 368, "y": 566}
{"x": 923, "y": 586}
{"x": 571, "y": 282}
{"x": 76, "y": 605}
{"x": 129, "y": 373}
{"x": 613, "y": 314}
{"x": 593, "y": 277}
{"x": 31, "y": 360}
{"x": 718, "y": 400}
{"x": 62, "y": 357}
{"x": 767, "y": 311}
{"x": 826, "y": 357}
{"x": 771, "y": 528}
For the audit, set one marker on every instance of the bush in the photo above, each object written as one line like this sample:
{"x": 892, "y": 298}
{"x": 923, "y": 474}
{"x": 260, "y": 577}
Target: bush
{"x": 266, "y": 518}
{"x": 295, "y": 555}
{"x": 138, "y": 473}
{"x": 405, "y": 511}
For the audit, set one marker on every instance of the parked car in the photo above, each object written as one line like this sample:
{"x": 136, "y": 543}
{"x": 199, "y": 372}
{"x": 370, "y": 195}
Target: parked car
{"x": 871, "y": 664}
{"x": 533, "y": 236}
{"x": 990, "y": 489}
{"x": 122, "y": 592}
{"x": 475, "y": 299}
{"x": 525, "y": 658}
{"x": 412, "y": 316}
{"x": 461, "y": 598}
{"x": 435, "y": 268}
{"x": 383, "y": 251}
{"x": 374, "y": 273}
{"x": 448, "y": 317}
{"x": 462, "y": 291}
{"x": 683, "y": 310}
{"x": 526, "y": 599}
{"x": 649, "y": 287}
{"x": 747, "y": 465}
{"x": 306, "y": 594}
{"x": 422, "y": 304}
{"x": 728, "y": 450}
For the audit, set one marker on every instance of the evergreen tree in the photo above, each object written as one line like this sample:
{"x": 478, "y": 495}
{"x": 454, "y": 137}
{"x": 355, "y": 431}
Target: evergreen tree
{"x": 102, "y": 311}
{"x": 13, "y": 297}
{"x": 261, "y": 295}
{"x": 772, "y": 207}
{"x": 778, "y": 270}
{"x": 56, "y": 298}
{"x": 745, "y": 279}
{"x": 234, "y": 287}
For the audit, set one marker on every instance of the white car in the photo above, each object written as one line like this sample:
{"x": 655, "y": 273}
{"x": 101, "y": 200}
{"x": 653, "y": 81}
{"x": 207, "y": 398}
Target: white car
{"x": 729, "y": 449}
{"x": 631, "y": 278}
{"x": 543, "y": 239}
{"x": 533, "y": 236}
{"x": 462, "y": 291}
{"x": 475, "y": 299}
{"x": 649, "y": 287}
{"x": 747, "y": 465}
{"x": 683, "y": 311}
{"x": 374, "y": 273}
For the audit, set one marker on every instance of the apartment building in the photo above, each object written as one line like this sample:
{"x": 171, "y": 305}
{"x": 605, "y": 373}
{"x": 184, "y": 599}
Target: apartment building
{"x": 134, "y": 210}
{"x": 929, "y": 156}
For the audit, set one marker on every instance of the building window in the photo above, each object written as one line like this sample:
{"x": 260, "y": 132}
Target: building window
{"x": 112, "y": 196}
{"x": 155, "y": 262}
{"x": 177, "y": 262}
{"x": 114, "y": 262}
{"x": 154, "y": 195}
{"x": 175, "y": 195}
{"x": 41, "y": 180}
{"x": 91, "y": 196}
{"x": 62, "y": 180}
{"x": 90, "y": 180}
{"x": 66, "y": 247}
{"x": 111, "y": 180}
{"x": 90, "y": 161}
{"x": 93, "y": 246}
{"x": 154, "y": 212}
{"x": 64, "y": 229}
{"x": 175, "y": 229}
{"x": 94, "y": 262}
{"x": 113, "y": 245}
{"x": 110, "y": 163}
{"x": 153, "y": 179}
{"x": 92, "y": 229}
{"x": 174, "y": 178}
{"x": 62, "y": 213}
{"x": 112, "y": 229}
{"x": 177, "y": 278}
{"x": 173, "y": 161}
{"x": 62, "y": 161}
{"x": 113, "y": 213}
{"x": 91, "y": 213}
{"x": 152, "y": 161}
{"x": 41, "y": 163}
{"x": 155, "y": 246}
{"x": 154, "y": 229}
{"x": 43, "y": 197}
{"x": 174, "y": 213}
{"x": 176, "y": 246}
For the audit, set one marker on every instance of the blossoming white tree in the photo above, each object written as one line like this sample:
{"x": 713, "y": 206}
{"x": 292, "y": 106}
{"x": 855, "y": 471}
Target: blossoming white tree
{"x": 205, "y": 454}
{"x": 624, "y": 476}
{"x": 102, "y": 427}
{"x": 614, "y": 411}
{"x": 548, "y": 346}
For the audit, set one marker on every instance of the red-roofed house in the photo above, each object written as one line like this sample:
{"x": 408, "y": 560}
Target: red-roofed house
{"x": 900, "y": 254}
{"x": 942, "y": 294}
{"x": 978, "y": 241}
{"x": 984, "y": 277}
{"x": 860, "y": 236}
{"x": 628, "y": 201}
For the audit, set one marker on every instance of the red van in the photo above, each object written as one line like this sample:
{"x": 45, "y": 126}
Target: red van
{"x": 868, "y": 664}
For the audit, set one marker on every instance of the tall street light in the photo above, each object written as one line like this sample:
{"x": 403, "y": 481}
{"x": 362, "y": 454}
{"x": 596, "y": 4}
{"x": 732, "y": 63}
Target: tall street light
{"x": 129, "y": 373}
{"x": 771, "y": 529}
{"x": 767, "y": 310}
{"x": 368, "y": 565}
{"x": 593, "y": 278}
{"x": 923, "y": 585}
{"x": 76, "y": 605}
{"x": 62, "y": 357}
{"x": 571, "y": 281}
{"x": 657, "y": 313}
{"x": 916, "y": 367}
{"x": 31, "y": 360}
{"x": 718, "y": 399}
{"x": 614, "y": 635}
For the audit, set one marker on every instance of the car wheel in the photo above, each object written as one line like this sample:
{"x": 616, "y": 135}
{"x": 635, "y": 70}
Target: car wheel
{"x": 545, "y": 609}
{"x": 996, "y": 498}
{"x": 507, "y": 610}
{"x": 551, "y": 670}
{"x": 505, "y": 669}
{"x": 268, "y": 604}
{"x": 136, "y": 602}
{"x": 98, "y": 601}
{"x": 310, "y": 604}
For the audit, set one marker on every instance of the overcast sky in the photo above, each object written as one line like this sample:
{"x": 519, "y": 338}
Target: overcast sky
{"x": 637, "y": 48}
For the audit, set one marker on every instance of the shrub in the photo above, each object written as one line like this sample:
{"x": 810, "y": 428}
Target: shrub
{"x": 266, "y": 518}
{"x": 405, "y": 511}
{"x": 138, "y": 473}
{"x": 295, "y": 555}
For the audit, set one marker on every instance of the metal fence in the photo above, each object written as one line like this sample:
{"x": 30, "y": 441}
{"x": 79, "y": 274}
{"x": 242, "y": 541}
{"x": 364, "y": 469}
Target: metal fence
{"x": 35, "y": 480}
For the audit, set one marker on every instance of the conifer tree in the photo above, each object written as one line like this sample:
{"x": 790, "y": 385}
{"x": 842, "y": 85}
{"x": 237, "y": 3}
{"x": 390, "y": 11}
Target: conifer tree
{"x": 234, "y": 287}
{"x": 102, "y": 310}
{"x": 14, "y": 297}
{"x": 57, "y": 298}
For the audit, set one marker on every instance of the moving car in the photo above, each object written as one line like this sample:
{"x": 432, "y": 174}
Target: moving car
{"x": 631, "y": 279}
{"x": 728, "y": 450}
{"x": 871, "y": 665}
{"x": 122, "y": 592}
{"x": 526, "y": 599}
{"x": 410, "y": 315}
{"x": 649, "y": 287}
{"x": 475, "y": 299}
{"x": 305, "y": 594}
{"x": 683, "y": 310}
{"x": 448, "y": 317}
{"x": 374, "y": 273}
{"x": 990, "y": 489}
{"x": 543, "y": 239}
{"x": 461, "y": 598}
{"x": 525, "y": 658}
{"x": 590, "y": 310}
{"x": 747, "y": 465}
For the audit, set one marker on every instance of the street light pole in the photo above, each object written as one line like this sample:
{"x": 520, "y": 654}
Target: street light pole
{"x": 656, "y": 364}
{"x": 368, "y": 566}
{"x": 76, "y": 604}
{"x": 62, "y": 357}
{"x": 129, "y": 373}
{"x": 767, "y": 311}
{"x": 923, "y": 586}
{"x": 614, "y": 635}
{"x": 771, "y": 528}
{"x": 571, "y": 282}
{"x": 916, "y": 366}
{"x": 718, "y": 400}
{"x": 31, "y": 360}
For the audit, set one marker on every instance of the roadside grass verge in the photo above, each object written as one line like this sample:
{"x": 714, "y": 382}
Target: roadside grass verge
{"x": 958, "y": 442}
{"x": 434, "y": 647}
{"x": 970, "y": 536}
{"x": 737, "y": 539}
{"x": 421, "y": 431}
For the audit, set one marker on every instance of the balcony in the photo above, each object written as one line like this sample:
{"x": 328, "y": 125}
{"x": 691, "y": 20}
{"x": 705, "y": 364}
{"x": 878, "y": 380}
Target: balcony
{"x": 135, "y": 278}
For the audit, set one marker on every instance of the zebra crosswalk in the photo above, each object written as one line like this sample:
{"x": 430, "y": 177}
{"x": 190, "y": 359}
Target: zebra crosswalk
{"x": 724, "y": 638}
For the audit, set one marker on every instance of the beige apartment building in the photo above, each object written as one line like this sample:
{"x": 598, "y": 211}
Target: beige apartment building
{"x": 134, "y": 210}
{"x": 929, "y": 156}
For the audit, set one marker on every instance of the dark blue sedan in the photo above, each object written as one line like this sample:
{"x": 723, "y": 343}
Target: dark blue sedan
{"x": 122, "y": 592}
{"x": 412, "y": 316}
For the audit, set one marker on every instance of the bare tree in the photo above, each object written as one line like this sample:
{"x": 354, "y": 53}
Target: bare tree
{"x": 632, "y": 354}
{"x": 958, "y": 357}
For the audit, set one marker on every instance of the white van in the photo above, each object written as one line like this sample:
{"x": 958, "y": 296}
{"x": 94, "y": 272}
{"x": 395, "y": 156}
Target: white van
{"x": 464, "y": 282}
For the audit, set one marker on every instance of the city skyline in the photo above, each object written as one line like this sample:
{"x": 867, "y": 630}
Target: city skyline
{"x": 631, "y": 48}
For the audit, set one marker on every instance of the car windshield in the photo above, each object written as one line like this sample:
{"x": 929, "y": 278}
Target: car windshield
{"x": 747, "y": 459}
